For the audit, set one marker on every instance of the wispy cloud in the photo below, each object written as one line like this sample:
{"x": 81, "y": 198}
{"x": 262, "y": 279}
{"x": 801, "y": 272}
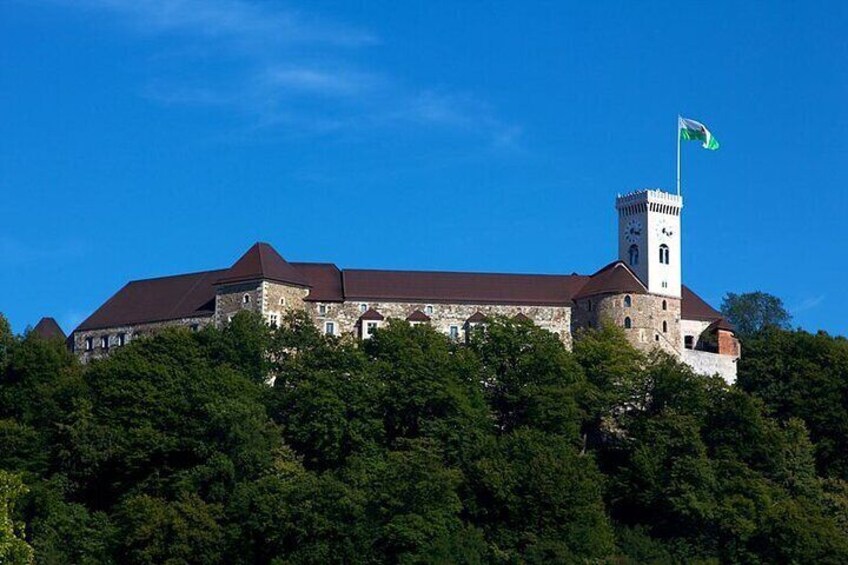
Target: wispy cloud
{"x": 14, "y": 251}
{"x": 808, "y": 303}
{"x": 287, "y": 70}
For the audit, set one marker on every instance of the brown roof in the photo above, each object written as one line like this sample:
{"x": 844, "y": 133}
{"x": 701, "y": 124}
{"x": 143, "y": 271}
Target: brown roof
{"x": 262, "y": 262}
{"x": 521, "y": 317}
{"x": 476, "y": 318}
{"x": 462, "y": 288}
{"x": 418, "y": 316}
{"x": 693, "y": 307}
{"x": 193, "y": 295}
{"x": 721, "y": 324}
{"x": 155, "y": 300}
{"x": 371, "y": 314}
{"x": 325, "y": 281}
{"x": 47, "y": 328}
{"x": 615, "y": 278}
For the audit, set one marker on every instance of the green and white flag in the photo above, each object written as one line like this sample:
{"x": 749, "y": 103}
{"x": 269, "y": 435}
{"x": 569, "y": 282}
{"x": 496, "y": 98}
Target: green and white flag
{"x": 691, "y": 130}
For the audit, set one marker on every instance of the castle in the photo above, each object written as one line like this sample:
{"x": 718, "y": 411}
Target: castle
{"x": 641, "y": 291}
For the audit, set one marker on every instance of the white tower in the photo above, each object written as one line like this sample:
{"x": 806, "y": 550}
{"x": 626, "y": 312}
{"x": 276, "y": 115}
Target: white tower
{"x": 649, "y": 238}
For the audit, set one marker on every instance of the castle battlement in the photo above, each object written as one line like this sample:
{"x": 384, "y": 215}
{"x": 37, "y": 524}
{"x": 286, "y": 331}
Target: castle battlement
{"x": 654, "y": 200}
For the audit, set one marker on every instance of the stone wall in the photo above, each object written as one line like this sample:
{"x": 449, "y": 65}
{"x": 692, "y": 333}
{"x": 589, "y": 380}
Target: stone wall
{"x": 277, "y": 299}
{"x": 706, "y": 363}
{"x": 230, "y": 299}
{"x": 556, "y": 319}
{"x": 130, "y": 333}
{"x": 646, "y": 313}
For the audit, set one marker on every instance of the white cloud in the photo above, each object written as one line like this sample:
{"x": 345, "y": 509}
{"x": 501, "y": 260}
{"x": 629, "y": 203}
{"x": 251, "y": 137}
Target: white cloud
{"x": 284, "y": 69}
{"x": 808, "y": 303}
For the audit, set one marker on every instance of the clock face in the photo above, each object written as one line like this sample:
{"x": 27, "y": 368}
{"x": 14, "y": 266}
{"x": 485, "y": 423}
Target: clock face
{"x": 633, "y": 231}
{"x": 664, "y": 229}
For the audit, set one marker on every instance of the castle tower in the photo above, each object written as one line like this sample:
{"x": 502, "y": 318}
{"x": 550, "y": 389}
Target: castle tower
{"x": 649, "y": 238}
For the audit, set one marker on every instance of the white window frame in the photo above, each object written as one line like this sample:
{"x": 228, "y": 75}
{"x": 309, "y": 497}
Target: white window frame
{"x": 428, "y": 309}
{"x": 245, "y": 299}
{"x": 104, "y": 342}
{"x": 453, "y": 332}
{"x": 330, "y": 327}
{"x": 89, "y": 344}
{"x": 363, "y": 307}
{"x": 274, "y": 319}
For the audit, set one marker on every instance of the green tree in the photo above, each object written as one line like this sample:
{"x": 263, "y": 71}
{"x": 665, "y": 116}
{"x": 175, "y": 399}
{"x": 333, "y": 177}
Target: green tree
{"x": 13, "y": 548}
{"x": 751, "y": 312}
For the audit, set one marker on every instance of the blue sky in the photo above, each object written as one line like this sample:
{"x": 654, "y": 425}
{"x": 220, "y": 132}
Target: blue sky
{"x": 143, "y": 139}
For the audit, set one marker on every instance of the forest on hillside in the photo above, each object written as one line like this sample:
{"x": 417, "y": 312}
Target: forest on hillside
{"x": 410, "y": 448}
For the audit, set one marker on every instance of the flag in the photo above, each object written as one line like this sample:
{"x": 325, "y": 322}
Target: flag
{"x": 691, "y": 130}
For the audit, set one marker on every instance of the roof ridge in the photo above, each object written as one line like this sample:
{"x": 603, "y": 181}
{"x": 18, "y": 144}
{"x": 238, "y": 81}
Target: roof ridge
{"x": 483, "y": 273}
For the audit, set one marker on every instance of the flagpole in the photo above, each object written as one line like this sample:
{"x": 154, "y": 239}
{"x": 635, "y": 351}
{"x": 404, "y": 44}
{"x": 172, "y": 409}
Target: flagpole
{"x": 678, "y": 155}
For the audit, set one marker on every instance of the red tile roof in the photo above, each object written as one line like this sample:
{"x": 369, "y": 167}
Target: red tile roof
{"x": 693, "y": 307}
{"x": 476, "y": 318}
{"x": 460, "y": 288}
{"x": 262, "y": 262}
{"x": 157, "y": 300}
{"x": 418, "y": 316}
{"x": 193, "y": 295}
{"x": 371, "y": 314}
{"x": 47, "y": 328}
{"x": 615, "y": 278}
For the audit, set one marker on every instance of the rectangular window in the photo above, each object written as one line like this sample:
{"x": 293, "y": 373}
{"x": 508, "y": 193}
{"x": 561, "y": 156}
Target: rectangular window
{"x": 330, "y": 328}
{"x": 273, "y": 319}
{"x": 363, "y": 307}
{"x": 194, "y": 327}
{"x": 454, "y": 332}
{"x": 322, "y": 309}
{"x": 104, "y": 342}
{"x": 370, "y": 328}
{"x": 689, "y": 342}
{"x": 89, "y": 344}
{"x": 121, "y": 340}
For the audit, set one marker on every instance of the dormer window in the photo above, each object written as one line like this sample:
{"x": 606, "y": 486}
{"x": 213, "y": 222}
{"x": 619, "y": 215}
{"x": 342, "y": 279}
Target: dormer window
{"x": 664, "y": 254}
{"x": 245, "y": 299}
{"x": 633, "y": 255}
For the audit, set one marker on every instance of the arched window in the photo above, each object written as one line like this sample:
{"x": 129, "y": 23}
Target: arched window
{"x": 634, "y": 255}
{"x": 665, "y": 326}
{"x": 628, "y": 323}
{"x": 665, "y": 305}
{"x": 246, "y": 299}
{"x": 627, "y": 301}
{"x": 664, "y": 254}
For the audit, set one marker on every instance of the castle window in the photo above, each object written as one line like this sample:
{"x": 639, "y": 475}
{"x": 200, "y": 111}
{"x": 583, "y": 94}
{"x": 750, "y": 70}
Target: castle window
{"x": 665, "y": 305}
{"x": 429, "y": 309}
{"x": 454, "y": 333}
{"x": 89, "y": 344}
{"x": 363, "y": 307}
{"x": 656, "y": 337}
{"x": 330, "y": 328}
{"x": 273, "y": 319}
{"x": 246, "y": 299}
{"x": 194, "y": 327}
{"x": 628, "y": 323}
{"x": 282, "y": 301}
{"x": 664, "y": 254}
{"x": 121, "y": 340}
{"x": 627, "y": 301}
{"x": 634, "y": 255}
{"x": 689, "y": 342}
{"x": 370, "y": 328}
{"x": 104, "y": 342}
{"x": 665, "y": 326}
{"x": 322, "y": 309}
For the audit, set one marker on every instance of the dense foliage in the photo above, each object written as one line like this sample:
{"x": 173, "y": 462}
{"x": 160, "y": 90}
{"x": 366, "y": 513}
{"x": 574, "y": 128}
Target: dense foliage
{"x": 409, "y": 448}
{"x": 753, "y": 312}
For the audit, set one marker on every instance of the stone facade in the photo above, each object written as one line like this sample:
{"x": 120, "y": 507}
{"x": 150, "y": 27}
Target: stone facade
{"x": 649, "y": 321}
{"x": 112, "y": 336}
{"x": 443, "y": 317}
{"x": 277, "y": 299}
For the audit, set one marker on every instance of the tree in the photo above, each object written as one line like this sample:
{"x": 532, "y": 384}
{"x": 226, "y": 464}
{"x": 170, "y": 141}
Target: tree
{"x": 13, "y": 548}
{"x": 752, "y": 312}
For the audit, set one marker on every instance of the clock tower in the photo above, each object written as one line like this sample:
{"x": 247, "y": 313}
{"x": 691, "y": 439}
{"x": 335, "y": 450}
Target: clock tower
{"x": 649, "y": 238}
